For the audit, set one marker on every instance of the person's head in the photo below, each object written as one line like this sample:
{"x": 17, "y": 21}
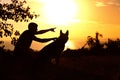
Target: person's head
{"x": 32, "y": 27}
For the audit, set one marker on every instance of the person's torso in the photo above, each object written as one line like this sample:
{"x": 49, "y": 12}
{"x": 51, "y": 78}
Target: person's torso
{"x": 25, "y": 40}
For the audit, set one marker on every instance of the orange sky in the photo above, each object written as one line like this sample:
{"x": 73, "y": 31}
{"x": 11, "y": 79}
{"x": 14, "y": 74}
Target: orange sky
{"x": 80, "y": 17}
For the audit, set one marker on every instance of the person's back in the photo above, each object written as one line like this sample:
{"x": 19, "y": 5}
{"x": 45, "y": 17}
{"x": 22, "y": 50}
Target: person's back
{"x": 23, "y": 44}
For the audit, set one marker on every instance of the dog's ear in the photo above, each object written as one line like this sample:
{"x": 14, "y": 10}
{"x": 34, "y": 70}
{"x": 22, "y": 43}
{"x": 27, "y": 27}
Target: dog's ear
{"x": 61, "y": 32}
{"x": 67, "y": 32}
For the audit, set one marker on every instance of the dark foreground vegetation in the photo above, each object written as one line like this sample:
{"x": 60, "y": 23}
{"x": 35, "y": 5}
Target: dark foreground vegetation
{"x": 97, "y": 62}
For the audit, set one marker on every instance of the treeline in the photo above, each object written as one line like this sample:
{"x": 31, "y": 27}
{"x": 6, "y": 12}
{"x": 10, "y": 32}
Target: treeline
{"x": 95, "y": 47}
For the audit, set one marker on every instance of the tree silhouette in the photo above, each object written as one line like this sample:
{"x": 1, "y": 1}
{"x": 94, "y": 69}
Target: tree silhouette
{"x": 113, "y": 46}
{"x": 94, "y": 42}
{"x": 17, "y": 12}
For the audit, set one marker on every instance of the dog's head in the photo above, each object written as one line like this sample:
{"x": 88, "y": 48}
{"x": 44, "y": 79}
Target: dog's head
{"x": 63, "y": 36}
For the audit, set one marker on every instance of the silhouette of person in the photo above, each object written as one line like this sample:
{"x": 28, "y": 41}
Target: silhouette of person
{"x": 23, "y": 45}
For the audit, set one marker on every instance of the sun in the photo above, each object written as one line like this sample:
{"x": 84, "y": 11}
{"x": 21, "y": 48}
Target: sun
{"x": 59, "y": 11}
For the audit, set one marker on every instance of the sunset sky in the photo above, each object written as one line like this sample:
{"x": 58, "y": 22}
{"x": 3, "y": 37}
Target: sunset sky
{"x": 81, "y": 17}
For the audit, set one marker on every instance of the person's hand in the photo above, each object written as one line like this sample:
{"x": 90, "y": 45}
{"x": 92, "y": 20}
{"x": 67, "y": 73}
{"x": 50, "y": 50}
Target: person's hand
{"x": 52, "y": 29}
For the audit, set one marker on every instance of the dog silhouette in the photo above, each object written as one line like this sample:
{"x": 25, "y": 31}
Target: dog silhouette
{"x": 54, "y": 49}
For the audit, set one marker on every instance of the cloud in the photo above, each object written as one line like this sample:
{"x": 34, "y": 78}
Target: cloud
{"x": 114, "y": 3}
{"x": 103, "y": 3}
{"x": 100, "y": 4}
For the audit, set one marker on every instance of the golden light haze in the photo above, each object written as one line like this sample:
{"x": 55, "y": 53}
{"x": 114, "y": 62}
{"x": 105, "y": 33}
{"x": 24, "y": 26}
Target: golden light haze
{"x": 81, "y": 17}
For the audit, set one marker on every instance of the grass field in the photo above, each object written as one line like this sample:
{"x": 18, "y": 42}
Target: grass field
{"x": 70, "y": 68}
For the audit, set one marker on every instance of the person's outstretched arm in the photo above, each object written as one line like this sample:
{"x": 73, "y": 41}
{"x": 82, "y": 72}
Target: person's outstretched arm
{"x": 44, "y": 40}
{"x": 44, "y": 31}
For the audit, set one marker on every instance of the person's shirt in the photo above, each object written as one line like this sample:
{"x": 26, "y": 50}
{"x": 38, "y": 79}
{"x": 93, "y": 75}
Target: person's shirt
{"x": 25, "y": 40}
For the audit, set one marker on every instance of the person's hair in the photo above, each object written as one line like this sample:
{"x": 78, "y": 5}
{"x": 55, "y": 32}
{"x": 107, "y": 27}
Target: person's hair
{"x": 32, "y": 25}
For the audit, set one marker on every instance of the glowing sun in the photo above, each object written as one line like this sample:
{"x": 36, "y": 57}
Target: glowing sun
{"x": 59, "y": 11}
